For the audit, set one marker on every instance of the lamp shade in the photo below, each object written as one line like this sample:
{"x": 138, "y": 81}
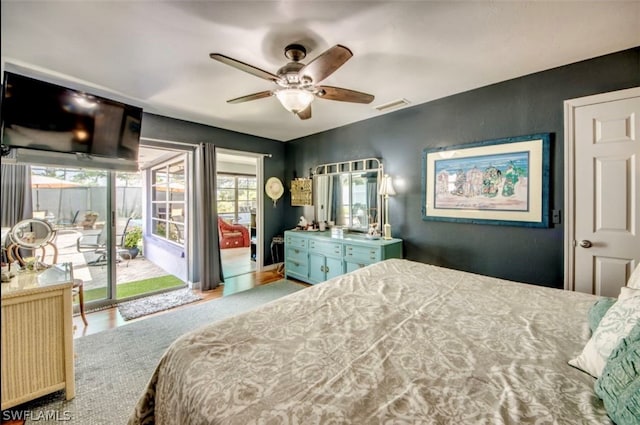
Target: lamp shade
{"x": 294, "y": 100}
{"x": 386, "y": 186}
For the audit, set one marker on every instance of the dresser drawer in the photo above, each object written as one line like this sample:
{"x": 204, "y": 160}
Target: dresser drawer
{"x": 363, "y": 254}
{"x": 297, "y": 268}
{"x": 296, "y": 254}
{"x": 350, "y": 266}
{"x": 332, "y": 249}
{"x": 296, "y": 242}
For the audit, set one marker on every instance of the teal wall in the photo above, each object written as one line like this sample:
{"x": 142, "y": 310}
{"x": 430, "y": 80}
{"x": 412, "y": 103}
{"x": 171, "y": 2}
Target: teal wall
{"x": 526, "y": 105}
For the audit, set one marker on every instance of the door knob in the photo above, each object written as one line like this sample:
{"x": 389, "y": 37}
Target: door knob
{"x": 585, "y": 243}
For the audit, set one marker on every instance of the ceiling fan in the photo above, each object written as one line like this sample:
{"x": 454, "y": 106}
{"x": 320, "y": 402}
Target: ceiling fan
{"x": 298, "y": 83}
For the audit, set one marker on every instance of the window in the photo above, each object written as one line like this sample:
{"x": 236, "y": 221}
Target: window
{"x": 168, "y": 200}
{"x": 236, "y": 197}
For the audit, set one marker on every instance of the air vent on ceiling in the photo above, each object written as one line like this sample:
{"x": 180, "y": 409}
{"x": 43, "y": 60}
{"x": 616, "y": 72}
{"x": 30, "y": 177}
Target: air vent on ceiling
{"x": 394, "y": 104}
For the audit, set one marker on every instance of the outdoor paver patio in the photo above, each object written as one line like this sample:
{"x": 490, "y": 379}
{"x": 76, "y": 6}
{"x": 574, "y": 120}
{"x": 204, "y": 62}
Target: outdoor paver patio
{"x": 95, "y": 276}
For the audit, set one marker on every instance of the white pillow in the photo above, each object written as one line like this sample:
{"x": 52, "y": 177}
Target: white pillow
{"x": 615, "y": 325}
{"x": 626, "y": 292}
{"x": 634, "y": 279}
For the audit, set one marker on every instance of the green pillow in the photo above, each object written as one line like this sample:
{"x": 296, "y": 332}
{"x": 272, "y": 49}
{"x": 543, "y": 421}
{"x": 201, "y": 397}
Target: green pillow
{"x": 619, "y": 384}
{"x": 598, "y": 310}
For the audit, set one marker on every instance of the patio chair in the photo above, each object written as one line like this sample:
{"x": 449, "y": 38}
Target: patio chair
{"x": 94, "y": 242}
{"x": 69, "y": 223}
{"x": 97, "y": 242}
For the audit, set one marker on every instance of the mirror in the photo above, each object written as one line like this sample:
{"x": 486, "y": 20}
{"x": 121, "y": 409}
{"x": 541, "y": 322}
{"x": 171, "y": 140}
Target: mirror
{"x": 31, "y": 233}
{"x": 346, "y": 193}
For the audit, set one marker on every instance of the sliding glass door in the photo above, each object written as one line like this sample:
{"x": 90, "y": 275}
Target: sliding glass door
{"x": 107, "y": 250}
{"x": 126, "y": 233}
{"x": 76, "y": 203}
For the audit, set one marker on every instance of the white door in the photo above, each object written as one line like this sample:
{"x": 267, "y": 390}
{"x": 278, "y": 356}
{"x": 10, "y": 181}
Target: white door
{"x": 602, "y": 151}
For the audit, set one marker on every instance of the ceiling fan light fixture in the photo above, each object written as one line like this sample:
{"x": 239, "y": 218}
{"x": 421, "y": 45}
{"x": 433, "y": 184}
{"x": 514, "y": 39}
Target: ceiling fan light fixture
{"x": 294, "y": 100}
{"x": 297, "y": 82}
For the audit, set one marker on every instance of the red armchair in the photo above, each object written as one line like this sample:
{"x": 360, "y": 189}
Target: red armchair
{"x": 232, "y": 235}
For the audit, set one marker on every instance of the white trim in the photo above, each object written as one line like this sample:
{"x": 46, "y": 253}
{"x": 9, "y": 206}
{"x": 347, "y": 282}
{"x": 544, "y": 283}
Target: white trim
{"x": 260, "y": 200}
{"x": 569, "y": 170}
{"x": 167, "y": 144}
{"x": 189, "y": 245}
{"x": 182, "y": 157}
{"x": 260, "y": 215}
{"x": 242, "y": 153}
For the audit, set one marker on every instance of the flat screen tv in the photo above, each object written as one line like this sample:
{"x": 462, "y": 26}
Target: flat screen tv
{"x": 45, "y": 116}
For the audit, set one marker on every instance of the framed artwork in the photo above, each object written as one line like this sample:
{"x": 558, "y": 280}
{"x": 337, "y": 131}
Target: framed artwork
{"x": 301, "y": 192}
{"x": 502, "y": 181}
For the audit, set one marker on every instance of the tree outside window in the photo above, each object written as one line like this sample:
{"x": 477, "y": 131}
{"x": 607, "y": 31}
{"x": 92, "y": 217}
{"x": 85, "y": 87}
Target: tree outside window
{"x": 236, "y": 197}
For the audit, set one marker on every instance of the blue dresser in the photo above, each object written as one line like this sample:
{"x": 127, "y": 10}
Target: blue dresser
{"x": 314, "y": 257}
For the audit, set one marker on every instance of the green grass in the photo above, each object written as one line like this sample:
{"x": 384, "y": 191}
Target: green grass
{"x": 135, "y": 288}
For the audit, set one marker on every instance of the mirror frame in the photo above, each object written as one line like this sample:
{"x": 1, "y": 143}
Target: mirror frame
{"x": 351, "y": 167}
{"x": 18, "y": 239}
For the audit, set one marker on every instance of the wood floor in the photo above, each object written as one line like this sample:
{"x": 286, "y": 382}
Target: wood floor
{"x": 110, "y": 318}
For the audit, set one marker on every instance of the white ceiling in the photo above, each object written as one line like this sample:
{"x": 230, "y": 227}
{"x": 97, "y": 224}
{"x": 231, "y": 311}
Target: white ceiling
{"x": 155, "y": 54}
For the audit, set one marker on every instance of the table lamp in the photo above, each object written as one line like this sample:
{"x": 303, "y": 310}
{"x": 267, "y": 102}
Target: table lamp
{"x": 386, "y": 190}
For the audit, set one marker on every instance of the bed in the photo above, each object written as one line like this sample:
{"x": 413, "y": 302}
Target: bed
{"x": 397, "y": 342}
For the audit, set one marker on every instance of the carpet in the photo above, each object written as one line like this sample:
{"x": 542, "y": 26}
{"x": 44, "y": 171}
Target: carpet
{"x": 155, "y": 303}
{"x": 114, "y": 366}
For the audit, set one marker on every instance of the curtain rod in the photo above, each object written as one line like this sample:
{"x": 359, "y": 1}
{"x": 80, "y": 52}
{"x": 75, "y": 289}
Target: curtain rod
{"x": 240, "y": 152}
{"x": 170, "y": 143}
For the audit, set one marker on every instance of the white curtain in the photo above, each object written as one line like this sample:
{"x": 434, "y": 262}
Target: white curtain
{"x": 209, "y": 263}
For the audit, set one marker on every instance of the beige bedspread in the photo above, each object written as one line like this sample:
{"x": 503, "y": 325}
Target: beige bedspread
{"x": 398, "y": 342}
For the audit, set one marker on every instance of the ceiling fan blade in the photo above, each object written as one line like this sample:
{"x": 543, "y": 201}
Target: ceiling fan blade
{"x": 244, "y": 67}
{"x": 305, "y": 114}
{"x": 343, "y": 95}
{"x": 254, "y": 96}
{"x": 325, "y": 64}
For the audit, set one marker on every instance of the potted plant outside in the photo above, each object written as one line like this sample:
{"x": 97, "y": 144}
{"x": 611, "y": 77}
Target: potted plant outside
{"x": 132, "y": 241}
